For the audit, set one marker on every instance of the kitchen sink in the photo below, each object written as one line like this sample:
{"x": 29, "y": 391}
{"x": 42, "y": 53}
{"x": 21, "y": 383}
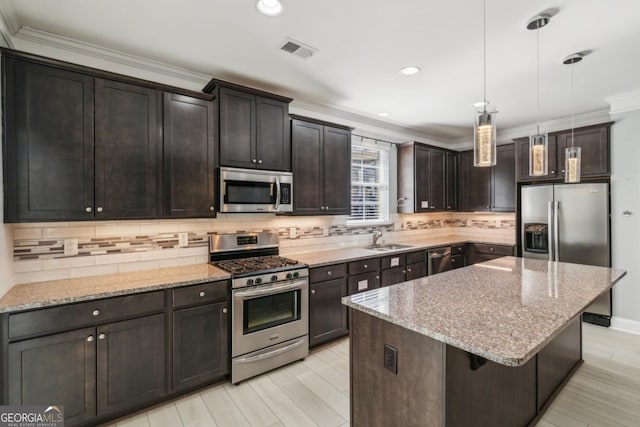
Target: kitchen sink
{"x": 387, "y": 247}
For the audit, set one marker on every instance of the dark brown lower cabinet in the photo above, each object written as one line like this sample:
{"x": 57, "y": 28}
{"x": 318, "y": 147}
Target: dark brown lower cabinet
{"x": 200, "y": 345}
{"x": 327, "y": 315}
{"x": 131, "y": 363}
{"x": 364, "y": 282}
{"x": 479, "y": 252}
{"x": 57, "y": 369}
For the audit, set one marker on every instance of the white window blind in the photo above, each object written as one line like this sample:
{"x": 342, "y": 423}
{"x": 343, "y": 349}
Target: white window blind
{"x": 369, "y": 182}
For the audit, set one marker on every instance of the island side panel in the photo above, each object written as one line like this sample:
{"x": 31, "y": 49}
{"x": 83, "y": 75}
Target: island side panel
{"x": 412, "y": 397}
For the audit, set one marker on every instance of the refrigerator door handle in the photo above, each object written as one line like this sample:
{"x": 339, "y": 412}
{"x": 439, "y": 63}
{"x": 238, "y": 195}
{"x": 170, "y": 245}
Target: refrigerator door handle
{"x": 550, "y": 231}
{"x": 556, "y": 232}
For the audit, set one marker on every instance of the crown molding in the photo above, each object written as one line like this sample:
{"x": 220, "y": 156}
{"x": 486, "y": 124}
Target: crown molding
{"x": 8, "y": 24}
{"x": 624, "y": 102}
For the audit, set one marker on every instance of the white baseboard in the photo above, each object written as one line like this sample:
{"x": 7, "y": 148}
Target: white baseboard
{"x": 625, "y": 325}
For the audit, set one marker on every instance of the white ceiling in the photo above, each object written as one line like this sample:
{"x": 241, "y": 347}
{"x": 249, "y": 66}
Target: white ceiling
{"x": 362, "y": 45}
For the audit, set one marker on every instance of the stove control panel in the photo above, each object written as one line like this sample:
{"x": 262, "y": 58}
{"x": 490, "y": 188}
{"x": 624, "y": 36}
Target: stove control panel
{"x": 272, "y": 277}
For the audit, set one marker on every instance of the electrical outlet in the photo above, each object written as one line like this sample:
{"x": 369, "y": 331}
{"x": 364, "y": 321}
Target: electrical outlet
{"x": 71, "y": 247}
{"x": 391, "y": 359}
{"x": 292, "y": 233}
{"x": 325, "y": 231}
{"x": 183, "y": 240}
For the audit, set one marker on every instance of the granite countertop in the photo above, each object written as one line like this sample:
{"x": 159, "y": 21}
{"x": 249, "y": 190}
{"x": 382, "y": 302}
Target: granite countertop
{"x": 505, "y": 310}
{"x": 54, "y": 292}
{"x": 331, "y": 256}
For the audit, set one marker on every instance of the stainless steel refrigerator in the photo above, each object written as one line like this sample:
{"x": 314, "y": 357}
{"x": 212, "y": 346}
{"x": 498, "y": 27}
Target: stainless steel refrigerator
{"x": 569, "y": 223}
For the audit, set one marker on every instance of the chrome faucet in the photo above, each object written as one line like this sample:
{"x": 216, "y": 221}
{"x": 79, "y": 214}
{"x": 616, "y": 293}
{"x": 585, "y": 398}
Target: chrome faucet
{"x": 376, "y": 235}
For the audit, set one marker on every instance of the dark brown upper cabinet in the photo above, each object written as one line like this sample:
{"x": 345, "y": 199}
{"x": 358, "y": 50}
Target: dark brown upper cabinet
{"x": 321, "y": 168}
{"x": 424, "y": 179}
{"x": 594, "y": 142}
{"x": 189, "y": 146}
{"x": 253, "y": 127}
{"x": 86, "y": 144}
{"x": 451, "y": 185}
{"x": 488, "y": 188}
{"x": 128, "y": 151}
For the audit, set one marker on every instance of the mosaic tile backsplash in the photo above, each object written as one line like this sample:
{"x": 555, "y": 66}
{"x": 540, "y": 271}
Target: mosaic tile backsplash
{"x": 105, "y": 248}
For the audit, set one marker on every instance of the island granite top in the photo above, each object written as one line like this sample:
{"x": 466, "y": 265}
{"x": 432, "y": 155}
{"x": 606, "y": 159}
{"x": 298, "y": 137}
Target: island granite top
{"x": 505, "y": 310}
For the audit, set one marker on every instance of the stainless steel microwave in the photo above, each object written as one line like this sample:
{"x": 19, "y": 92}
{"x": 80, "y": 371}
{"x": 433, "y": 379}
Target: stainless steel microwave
{"x": 248, "y": 190}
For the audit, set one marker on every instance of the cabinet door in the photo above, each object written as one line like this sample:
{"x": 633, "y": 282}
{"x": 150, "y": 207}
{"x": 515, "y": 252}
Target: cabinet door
{"x": 131, "y": 363}
{"x": 237, "y": 129}
{"x": 49, "y": 143}
{"x": 337, "y": 171}
{"x": 57, "y": 369}
{"x": 307, "y": 167}
{"x": 503, "y": 185}
{"x": 363, "y": 282}
{"x": 188, "y": 156}
{"x": 594, "y": 150}
{"x": 392, "y": 276}
{"x": 416, "y": 270}
{"x": 422, "y": 187}
{"x": 273, "y": 139}
{"x": 200, "y": 345}
{"x": 522, "y": 160}
{"x": 437, "y": 180}
{"x": 451, "y": 184}
{"x": 128, "y": 151}
{"x": 474, "y": 185}
{"x": 327, "y": 315}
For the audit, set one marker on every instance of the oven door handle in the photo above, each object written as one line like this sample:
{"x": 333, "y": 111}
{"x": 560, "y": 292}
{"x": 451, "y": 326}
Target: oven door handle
{"x": 270, "y": 353}
{"x": 262, "y": 290}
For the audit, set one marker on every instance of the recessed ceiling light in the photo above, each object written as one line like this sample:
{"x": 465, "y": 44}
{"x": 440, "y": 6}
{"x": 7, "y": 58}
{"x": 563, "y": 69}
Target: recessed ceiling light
{"x": 410, "y": 70}
{"x": 384, "y": 114}
{"x": 269, "y": 7}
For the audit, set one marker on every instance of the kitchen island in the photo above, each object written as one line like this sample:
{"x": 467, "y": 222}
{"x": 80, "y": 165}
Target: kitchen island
{"x": 490, "y": 344}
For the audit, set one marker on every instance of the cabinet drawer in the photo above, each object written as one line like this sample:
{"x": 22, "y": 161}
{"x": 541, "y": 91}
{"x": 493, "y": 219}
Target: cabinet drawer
{"x": 416, "y": 257}
{"x": 363, "y": 282}
{"x": 457, "y": 249}
{"x": 199, "y": 294}
{"x": 364, "y": 266}
{"x": 391, "y": 261}
{"x": 328, "y": 272}
{"x": 392, "y": 276}
{"x": 66, "y": 317}
{"x": 493, "y": 249}
{"x": 457, "y": 261}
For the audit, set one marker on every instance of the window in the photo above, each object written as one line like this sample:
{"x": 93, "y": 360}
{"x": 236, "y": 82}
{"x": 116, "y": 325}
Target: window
{"x": 369, "y": 182}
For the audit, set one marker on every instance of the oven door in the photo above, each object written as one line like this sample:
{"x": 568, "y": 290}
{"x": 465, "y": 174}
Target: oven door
{"x": 266, "y": 315}
{"x": 244, "y": 190}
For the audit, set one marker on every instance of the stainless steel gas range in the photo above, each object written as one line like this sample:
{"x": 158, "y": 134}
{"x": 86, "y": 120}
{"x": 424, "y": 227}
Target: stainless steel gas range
{"x": 270, "y": 302}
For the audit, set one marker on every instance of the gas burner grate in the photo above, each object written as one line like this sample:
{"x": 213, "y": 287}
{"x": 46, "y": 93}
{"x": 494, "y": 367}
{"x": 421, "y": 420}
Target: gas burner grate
{"x": 255, "y": 264}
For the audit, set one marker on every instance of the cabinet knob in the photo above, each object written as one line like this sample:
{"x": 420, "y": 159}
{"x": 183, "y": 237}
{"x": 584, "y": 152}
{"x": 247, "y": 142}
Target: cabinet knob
{"x": 322, "y": 208}
{"x": 211, "y": 208}
{"x": 90, "y": 338}
{"x": 448, "y": 207}
{"x": 224, "y": 310}
{"x": 404, "y": 271}
{"x": 99, "y": 209}
{"x": 254, "y": 160}
{"x": 96, "y": 312}
{"x": 260, "y": 161}
{"x": 88, "y": 209}
{"x": 202, "y": 293}
{"x": 102, "y": 336}
{"x": 562, "y": 170}
{"x": 491, "y": 249}
{"x": 488, "y": 207}
{"x": 366, "y": 266}
{"x": 329, "y": 273}
{"x": 553, "y": 171}
{"x": 377, "y": 277}
{"x": 326, "y": 207}
{"x": 313, "y": 291}
{"x": 409, "y": 270}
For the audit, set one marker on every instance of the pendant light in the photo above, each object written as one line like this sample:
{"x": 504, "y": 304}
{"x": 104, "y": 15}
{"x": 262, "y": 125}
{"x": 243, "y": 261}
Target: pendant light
{"x": 538, "y": 143}
{"x": 572, "y": 155}
{"x": 484, "y": 130}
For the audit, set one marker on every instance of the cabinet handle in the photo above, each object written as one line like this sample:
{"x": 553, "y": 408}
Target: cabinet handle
{"x": 260, "y": 161}
{"x": 224, "y": 310}
{"x": 99, "y": 209}
{"x": 329, "y": 273}
{"x": 90, "y": 338}
{"x": 96, "y": 312}
{"x": 88, "y": 209}
{"x": 102, "y": 336}
{"x": 201, "y": 293}
{"x": 211, "y": 208}
{"x": 253, "y": 160}
{"x": 313, "y": 291}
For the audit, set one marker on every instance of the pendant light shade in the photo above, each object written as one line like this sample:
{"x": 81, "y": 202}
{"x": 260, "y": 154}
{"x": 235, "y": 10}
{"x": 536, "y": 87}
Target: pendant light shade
{"x": 484, "y": 137}
{"x": 572, "y": 155}
{"x": 484, "y": 119}
{"x": 538, "y": 143}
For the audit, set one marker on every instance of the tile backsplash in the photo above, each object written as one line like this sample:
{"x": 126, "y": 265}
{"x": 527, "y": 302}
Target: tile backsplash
{"x": 112, "y": 247}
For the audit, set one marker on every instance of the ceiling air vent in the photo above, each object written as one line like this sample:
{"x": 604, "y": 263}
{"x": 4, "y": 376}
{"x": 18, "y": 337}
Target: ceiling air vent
{"x": 298, "y": 49}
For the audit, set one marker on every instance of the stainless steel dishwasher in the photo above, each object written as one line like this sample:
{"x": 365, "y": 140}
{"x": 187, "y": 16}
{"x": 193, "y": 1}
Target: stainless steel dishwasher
{"x": 439, "y": 260}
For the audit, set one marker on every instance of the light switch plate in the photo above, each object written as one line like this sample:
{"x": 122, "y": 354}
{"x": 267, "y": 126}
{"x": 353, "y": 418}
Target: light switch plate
{"x": 292, "y": 233}
{"x": 424, "y": 204}
{"x": 71, "y": 247}
{"x": 183, "y": 240}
